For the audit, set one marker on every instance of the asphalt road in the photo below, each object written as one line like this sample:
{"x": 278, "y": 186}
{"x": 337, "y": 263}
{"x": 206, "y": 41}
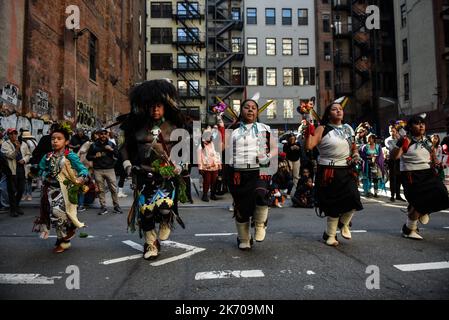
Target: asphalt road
{"x": 202, "y": 262}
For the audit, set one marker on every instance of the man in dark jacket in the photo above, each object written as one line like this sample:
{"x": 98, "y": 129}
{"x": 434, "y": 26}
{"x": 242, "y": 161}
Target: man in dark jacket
{"x": 104, "y": 155}
{"x": 78, "y": 140}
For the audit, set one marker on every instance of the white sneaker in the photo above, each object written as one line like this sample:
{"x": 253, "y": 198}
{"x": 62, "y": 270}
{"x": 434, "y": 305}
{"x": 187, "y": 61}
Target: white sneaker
{"x": 424, "y": 219}
{"x": 279, "y": 205}
{"x": 122, "y": 195}
{"x": 231, "y": 208}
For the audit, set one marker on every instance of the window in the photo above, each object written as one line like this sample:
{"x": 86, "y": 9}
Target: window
{"x": 161, "y": 9}
{"x": 270, "y": 46}
{"x": 271, "y": 110}
{"x": 327, "y": 51}
{"x": 252, "y": 46}
{"x": 303, "y": 17}
{"x": 236, "y": 106}
{"x": 271, "y": 76}
{"x": 404, "y": 50}
{"x": 251, "y": 16}
{"x": 403, "y": 15}
{"x": 235, "y": 12}
{"x": 189, "y": 88}
{"x": 252, "y": 76}
{"x": 326, "y": 23}
{"x": 270, "y": 16}
{"x": 287, "y": 17}
{"x": 288, "y": 109}
{"x": 187, "y": 61}
{"x": 93, "y": 47}
{"x": 140, "y": 25}
{"x": 406, "y": 87}
{"x": 189, "y": 35}
{"x": 236, "y": 76}
{"x": 161, "y": 61}
{"x": 303, "y": 47}
{"x": 288, "y": 76}
{"x": 140, "y": 61}
{"x": 161, "y": 36}
{"x": 236, "y": 44}
{"x": 190, "y": 9}
{"x": 304, "y": 76}
{"x": 287, "y": 47}
{"x": 328, "y": 79}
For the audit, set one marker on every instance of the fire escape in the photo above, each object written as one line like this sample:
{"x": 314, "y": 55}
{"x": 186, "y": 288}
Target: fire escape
{"x": 189, "y": 42}
{"x": 225, "y": 50}
{"x": 356, "y": 59}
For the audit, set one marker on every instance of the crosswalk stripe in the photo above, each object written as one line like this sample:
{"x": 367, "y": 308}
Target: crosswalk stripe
{"x": 229, "y": 274}
{"x": 423, "y": 266}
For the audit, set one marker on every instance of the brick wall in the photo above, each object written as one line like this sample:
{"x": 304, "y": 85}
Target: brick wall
{"x": 50, "y": 59}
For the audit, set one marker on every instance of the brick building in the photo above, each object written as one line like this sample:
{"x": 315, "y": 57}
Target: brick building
{"x": 110, "y": 47}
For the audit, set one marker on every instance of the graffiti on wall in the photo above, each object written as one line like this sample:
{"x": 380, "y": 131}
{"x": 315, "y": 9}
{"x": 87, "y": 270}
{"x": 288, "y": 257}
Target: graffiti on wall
{"x": 38, "y": 127}
{"x": 86, "y": 115}
{"x": 10, "y": 94}
{"x": 40, "y": 103}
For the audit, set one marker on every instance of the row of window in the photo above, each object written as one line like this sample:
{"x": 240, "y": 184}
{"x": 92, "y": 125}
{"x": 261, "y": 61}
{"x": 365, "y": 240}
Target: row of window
{"x": 288, "y": 108}
{"x": 165, "y": 35}
{"x": 165, "y": 9}
{"x": 286, "y": 18}
{"x": 290, "y": 76}
{"x": 270, "y": 46}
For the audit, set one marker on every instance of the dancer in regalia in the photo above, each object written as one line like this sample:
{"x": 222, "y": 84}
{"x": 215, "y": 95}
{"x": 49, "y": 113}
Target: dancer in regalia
{"x": 337, "y": 195}
{"x": 146, "y": 155}
{"x": 63, "y": 177}
{"x": 424, "y": 191}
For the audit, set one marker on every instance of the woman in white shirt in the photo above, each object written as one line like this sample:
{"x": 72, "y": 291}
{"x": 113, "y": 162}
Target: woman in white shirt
{"x": 336, "y": 182}
{"x": 249, "y": 188}
{"x": 424, "y": 191}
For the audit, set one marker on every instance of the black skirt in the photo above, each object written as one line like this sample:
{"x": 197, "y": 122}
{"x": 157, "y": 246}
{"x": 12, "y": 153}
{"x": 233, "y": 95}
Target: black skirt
{"x": 425, "y": 191}
{"x": 247, "y": 190}
{"x": 336, "y": 191}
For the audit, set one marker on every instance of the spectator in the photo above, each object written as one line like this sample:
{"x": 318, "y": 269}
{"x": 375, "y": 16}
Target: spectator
{"x": 304, "y": 197}
{"x": 104, "y": 155}
{"x": 12, "y": 150}
{"x": 29, "y": 142}
{"x": 293, "y": 150}
{"x": 78, "y": 140}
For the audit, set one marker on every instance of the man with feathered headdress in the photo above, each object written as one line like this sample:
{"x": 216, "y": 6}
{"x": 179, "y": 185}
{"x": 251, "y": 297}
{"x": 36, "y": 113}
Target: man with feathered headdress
{"x": 146, "y": 154}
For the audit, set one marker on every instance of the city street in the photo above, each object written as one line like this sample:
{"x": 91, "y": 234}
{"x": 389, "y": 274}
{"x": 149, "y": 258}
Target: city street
{"x": 203, "y": 262}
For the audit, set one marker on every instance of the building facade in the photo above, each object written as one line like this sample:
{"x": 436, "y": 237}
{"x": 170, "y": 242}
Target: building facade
{"x": 81, "y": 75}
{"x": 176, "y": 50}
{"x": 12, "y": 24}
{"x": 423, "y": 60}
{"x": 280, "y": 57}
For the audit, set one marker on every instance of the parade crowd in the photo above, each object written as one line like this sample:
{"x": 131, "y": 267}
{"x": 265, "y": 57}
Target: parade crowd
{"x": 322, "y": 165}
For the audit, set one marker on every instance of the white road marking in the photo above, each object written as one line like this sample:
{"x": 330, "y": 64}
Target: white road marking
{"x": 133, "y": 257}
{"x": 191, "y": 250}
{"x": 26, "y": 278}
{"x": 445, "y": 211}
{"x": 181, "y": 256}
{"x": 310, "y": 272}
{"x": 226, "y": 274}
{"x": 446, "y": 228}
{"x": 134, "y": 245}
{"x": 214, "y": 234}
{"x": 394, "y": 206}
{"x": 356, "y": 231}
{"x": 309, "y": 287}
{"x": 89, "y": 237}
{"x": 423, "y": 266}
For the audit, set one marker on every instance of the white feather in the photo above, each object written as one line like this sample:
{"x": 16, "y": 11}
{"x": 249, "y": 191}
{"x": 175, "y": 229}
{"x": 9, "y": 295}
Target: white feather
{"x": 256, "y": 97}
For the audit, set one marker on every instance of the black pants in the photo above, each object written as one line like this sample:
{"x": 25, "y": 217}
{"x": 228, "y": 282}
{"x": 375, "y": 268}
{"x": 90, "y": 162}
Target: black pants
{"x": 395, "y": 178}
{"x": 16, "y": 187}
